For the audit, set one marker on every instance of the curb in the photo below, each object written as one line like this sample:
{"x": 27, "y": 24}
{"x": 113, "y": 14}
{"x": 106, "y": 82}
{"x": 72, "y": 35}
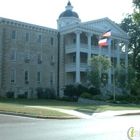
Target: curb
{"x": 128, "y": 114}
{"x": 39, "y": 117}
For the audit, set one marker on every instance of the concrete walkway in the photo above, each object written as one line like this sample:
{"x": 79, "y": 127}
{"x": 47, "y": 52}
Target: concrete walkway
{"x": 87, "y": 115}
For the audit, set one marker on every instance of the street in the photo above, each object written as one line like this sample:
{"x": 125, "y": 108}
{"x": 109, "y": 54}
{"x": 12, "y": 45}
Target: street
{"x": 24, "y": 128}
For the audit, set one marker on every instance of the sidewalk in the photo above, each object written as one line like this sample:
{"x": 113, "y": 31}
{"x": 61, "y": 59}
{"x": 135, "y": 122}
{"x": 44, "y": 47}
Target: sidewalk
{"x": 87, "y": 115}
{"x": 77, "y": 114}
{"x": 116, "y": 113}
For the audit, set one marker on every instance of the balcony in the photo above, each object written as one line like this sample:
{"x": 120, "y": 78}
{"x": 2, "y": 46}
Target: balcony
{"x": 71, "y": 67}
{"x": 71, "y": 48}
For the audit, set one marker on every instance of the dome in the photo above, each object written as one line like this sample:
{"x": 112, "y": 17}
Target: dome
{"x": 68, "y": 12}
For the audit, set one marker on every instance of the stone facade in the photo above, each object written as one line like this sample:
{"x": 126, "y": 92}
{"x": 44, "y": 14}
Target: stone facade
{"x": 19, "y": 39}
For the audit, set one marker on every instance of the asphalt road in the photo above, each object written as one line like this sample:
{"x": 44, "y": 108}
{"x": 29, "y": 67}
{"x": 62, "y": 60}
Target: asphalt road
{"x": 110, "y": 128}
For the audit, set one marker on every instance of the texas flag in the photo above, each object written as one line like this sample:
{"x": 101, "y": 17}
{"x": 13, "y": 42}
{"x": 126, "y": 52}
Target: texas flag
{"x": 106, "y": 34}
{"x": 105, "y": 39}
{"x": 104, "y": 42}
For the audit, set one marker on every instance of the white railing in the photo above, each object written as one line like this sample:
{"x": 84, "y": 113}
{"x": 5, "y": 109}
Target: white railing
{"x": 72, "y": 48}
{"x": 72, "y": 66}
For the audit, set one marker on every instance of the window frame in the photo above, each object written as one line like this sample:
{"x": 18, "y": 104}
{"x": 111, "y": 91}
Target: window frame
{"x": 52, "y": 41}
{"x": 51, "y": 78}
{"x": 39, "y": 39}
{"x": 27, "y": 37}
{"x": 13, "y": 55}
{"x": 26, "y": 76}
{"x": 13, "y": 76}
{"x": 14, "y": 34}
{"x": 38, "y": 77}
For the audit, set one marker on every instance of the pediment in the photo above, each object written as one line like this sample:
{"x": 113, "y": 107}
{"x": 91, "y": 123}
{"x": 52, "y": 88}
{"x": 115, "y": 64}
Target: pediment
{"x": 105, "y": 24}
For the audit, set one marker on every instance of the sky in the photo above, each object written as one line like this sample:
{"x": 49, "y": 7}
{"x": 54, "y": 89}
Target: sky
{"x": 46, "y": 12}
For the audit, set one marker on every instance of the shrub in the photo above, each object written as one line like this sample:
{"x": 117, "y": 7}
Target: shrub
{"x": 48, "y": 93}
{"x": 70, "y": 91}
{"x": 113, "y": 101}
{"x": 127, "y": 97}
{"x": 10, "y": 94}
{"x": 73, "y": 91}
{"x": 94, "y": 91}
{"x": 124, "y": 102}
{"x": 86, "y": 95}
{"x": 23, "y": 96}
{"x": 39, "y": 92}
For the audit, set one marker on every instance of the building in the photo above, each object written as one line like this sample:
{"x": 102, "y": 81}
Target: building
{"x": 33, "y": 56}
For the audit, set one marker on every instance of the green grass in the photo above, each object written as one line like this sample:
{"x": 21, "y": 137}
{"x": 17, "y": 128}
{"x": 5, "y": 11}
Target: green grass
{"x": 21, "y": 106}
{"x": 30, "y": 110}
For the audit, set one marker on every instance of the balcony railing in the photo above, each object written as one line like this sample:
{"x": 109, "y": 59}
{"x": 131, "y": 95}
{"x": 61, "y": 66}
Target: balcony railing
{"x": 72, "y": 67}
{"x": 94, "y": 49}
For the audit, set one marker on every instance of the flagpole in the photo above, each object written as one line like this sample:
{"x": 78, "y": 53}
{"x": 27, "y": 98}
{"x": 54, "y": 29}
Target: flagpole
{"x": 113, "y": 69}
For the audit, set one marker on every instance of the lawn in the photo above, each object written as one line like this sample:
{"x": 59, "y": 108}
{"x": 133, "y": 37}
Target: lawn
{"x": 20, "y": 106}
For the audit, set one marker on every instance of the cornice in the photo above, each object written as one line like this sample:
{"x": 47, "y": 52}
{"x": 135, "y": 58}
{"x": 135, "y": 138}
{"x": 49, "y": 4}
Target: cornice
{"x": 91, "y": 30}
{"x": 28, "y": 26}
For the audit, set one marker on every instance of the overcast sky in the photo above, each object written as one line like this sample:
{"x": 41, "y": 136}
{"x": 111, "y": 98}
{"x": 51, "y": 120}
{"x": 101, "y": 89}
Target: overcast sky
{"x": 46, "y": 12}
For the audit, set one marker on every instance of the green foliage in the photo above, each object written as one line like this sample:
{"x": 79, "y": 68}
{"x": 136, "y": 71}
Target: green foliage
{"x": 128, "y": 98}
{"x": 70, "y": 90}
{"x": 22, "y": 96}
{"x": 125, "y": 78}
{"x": 86, "y": 95}
{"x": 39, "y": 92}
{"x": 133, "y": 30}
{"x": 74, "y": 91}
{"x": 98, "y": 65}
{"x": 94, "y": 91}
{"x": 136, "y": 3}
{"x": 10, "y": 94}
{"x": 47, "y": 93}
{"x": 136, "y": 12}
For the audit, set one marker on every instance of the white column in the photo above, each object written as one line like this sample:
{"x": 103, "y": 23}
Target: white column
{"x": 100, "y": 48}
{"x": 118, "y": 54}
{"x": 126, "y": 55}
{"x": 89, "y": 45}
{"x": 109, "y": 72}
{"x": 78, "y": 56}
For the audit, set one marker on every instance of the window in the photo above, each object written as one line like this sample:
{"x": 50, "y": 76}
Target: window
{"x": 26, "y": 56}
{"x": 39, "y": 58}
{"x": 27, "y": 37}
{"x": 13, "y": 76}
{"x": 39, "y": 77}
{"x": 74, "y": 59}
{"x": 52, "y": 41}
{"x": 52, "y": 58}
{"x": 51, "y": 78}
{"x": 13, "y": 55}
{"x": 13, "y": 34}
{"x": 74, "y": 40}
{"x": 39, "y": 39}
{"x": 26, "y": 77}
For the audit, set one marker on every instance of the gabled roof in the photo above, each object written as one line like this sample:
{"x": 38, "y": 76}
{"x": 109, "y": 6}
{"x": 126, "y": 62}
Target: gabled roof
{"x": 105, "y": 24}
{"x": 97, "y": 27}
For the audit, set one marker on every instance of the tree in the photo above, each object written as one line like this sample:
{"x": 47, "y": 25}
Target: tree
{"x": 125, "y": 78}
{"x": 136, "y": 13}
{"x": 133, "y": 30}
{"x": 98, "y": 65}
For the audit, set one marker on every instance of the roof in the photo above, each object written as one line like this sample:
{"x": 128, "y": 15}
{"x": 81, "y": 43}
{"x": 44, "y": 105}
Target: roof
{"x": 68, "y": 12}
